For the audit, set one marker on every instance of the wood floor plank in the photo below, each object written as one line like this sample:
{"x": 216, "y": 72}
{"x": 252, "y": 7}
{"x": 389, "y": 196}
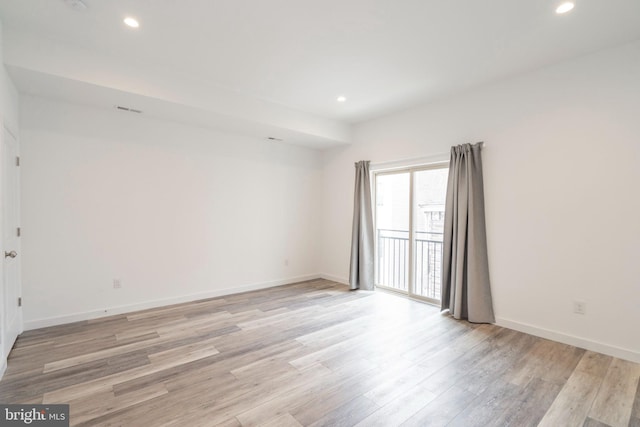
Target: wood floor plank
{"x": 572, "y": 405}
{"x": 548, "y": 360}
{"x": 470, "y": 361}
{"x": 455, "y": 337}
{"x": 256, "y": 406}
{"x": 635, "y": 411}
{"x": 193, "y": 351}
{"x": 470, "y": 342}
{"x": 314, "y": 353}
{"x": 107, "y": 382}
{"x": 284, "y": 420}
{"x": 398, "y": 384}
{"x": 272, "y": 365}
{"x": 441, "y": 410}
{"x": 18, "y": 389}
{"x": 487, "y": 406}
{"x": 528, "y": 408}
{"x": 98, "y": 355}
{"x": 87, "y": 408}
{"x": 486, "y": 370}
{"x": 348, "y": 414}
{"x": 301, "y": 398}
{"x": 400, "y": 409}
{"x": 590, "y": 422}
{"x": 330, "y": 404}
{"x": 615, "y": 399}
{"x": 530, "y": 364}
{"x": 560, "y": 363}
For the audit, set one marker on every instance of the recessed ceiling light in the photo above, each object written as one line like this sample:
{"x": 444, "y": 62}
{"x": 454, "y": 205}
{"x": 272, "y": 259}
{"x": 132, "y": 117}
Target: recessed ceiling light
{"x": 341, "y": 98}
{"x": 132, "y": 22}
{"x": 565, "y": 7}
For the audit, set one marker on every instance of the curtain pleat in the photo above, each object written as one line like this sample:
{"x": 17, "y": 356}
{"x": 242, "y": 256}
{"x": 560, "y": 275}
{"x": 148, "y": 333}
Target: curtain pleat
{"x": 466, "y": 290}
{"x": 362, "y": 250}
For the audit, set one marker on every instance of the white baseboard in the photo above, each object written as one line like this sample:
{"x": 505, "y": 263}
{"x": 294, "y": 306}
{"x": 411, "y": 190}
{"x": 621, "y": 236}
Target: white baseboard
{"x": 619, "y": 352}
{"x": 110, "y": 311}
{"x": 340, "y": 280}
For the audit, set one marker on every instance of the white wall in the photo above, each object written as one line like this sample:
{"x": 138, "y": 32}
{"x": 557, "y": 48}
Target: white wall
{"x": 9, "y": 101}
{"x": 175, "y": 212}
{"x": 562, "y": 169}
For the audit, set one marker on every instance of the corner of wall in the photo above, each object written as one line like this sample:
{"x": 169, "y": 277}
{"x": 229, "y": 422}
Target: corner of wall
{"x": 337, "y": 279}
{"x": 587, "y": 344}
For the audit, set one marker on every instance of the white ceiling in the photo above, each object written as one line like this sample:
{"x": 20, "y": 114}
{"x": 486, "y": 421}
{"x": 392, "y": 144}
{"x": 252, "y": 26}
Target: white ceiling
{"x": 299, "y": 55}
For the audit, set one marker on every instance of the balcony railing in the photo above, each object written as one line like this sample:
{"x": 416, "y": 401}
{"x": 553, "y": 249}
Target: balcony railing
{"x": 393, "y": 261}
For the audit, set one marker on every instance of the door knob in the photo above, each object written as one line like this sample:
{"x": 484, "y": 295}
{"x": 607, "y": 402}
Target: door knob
{"x": 11, "y": 254}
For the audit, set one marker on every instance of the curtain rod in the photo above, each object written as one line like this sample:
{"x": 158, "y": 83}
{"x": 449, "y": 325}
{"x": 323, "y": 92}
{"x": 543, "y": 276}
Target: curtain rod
{"x": 432, "y": 158}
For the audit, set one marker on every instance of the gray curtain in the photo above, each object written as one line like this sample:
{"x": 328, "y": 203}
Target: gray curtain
{"x": 362, "y": 250}
{"x": 466, "y": 291}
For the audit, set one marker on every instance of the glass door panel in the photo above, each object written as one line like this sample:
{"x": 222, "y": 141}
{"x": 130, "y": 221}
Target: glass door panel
{"x": 429, "y": 194}
{"x": 392, "y": 230}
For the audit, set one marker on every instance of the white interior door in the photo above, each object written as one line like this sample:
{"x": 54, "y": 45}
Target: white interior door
{"x": 12, "y": 318}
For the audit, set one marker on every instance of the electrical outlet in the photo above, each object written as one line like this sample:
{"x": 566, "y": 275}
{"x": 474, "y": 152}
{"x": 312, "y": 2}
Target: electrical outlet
{"x": 117, "y": 284}
{"x": 286, "y": 262}
{"x": 580, "y": 307}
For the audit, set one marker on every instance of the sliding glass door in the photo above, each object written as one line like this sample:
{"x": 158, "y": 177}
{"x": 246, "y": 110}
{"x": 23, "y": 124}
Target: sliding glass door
{"x": 409, "y": 216}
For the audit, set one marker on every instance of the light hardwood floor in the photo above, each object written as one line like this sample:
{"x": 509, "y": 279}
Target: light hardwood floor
{"x": 314, "y": 353}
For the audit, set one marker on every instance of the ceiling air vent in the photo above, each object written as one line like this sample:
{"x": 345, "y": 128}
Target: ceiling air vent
{"x": 76, "y": 4}
{"x": 131, "y": 110}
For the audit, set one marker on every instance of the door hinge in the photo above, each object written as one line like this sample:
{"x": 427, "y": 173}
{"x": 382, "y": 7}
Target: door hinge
{"x": 20, "y": 302}
{"x": 18, "y": 161}
{"x": 18, "y": 231}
